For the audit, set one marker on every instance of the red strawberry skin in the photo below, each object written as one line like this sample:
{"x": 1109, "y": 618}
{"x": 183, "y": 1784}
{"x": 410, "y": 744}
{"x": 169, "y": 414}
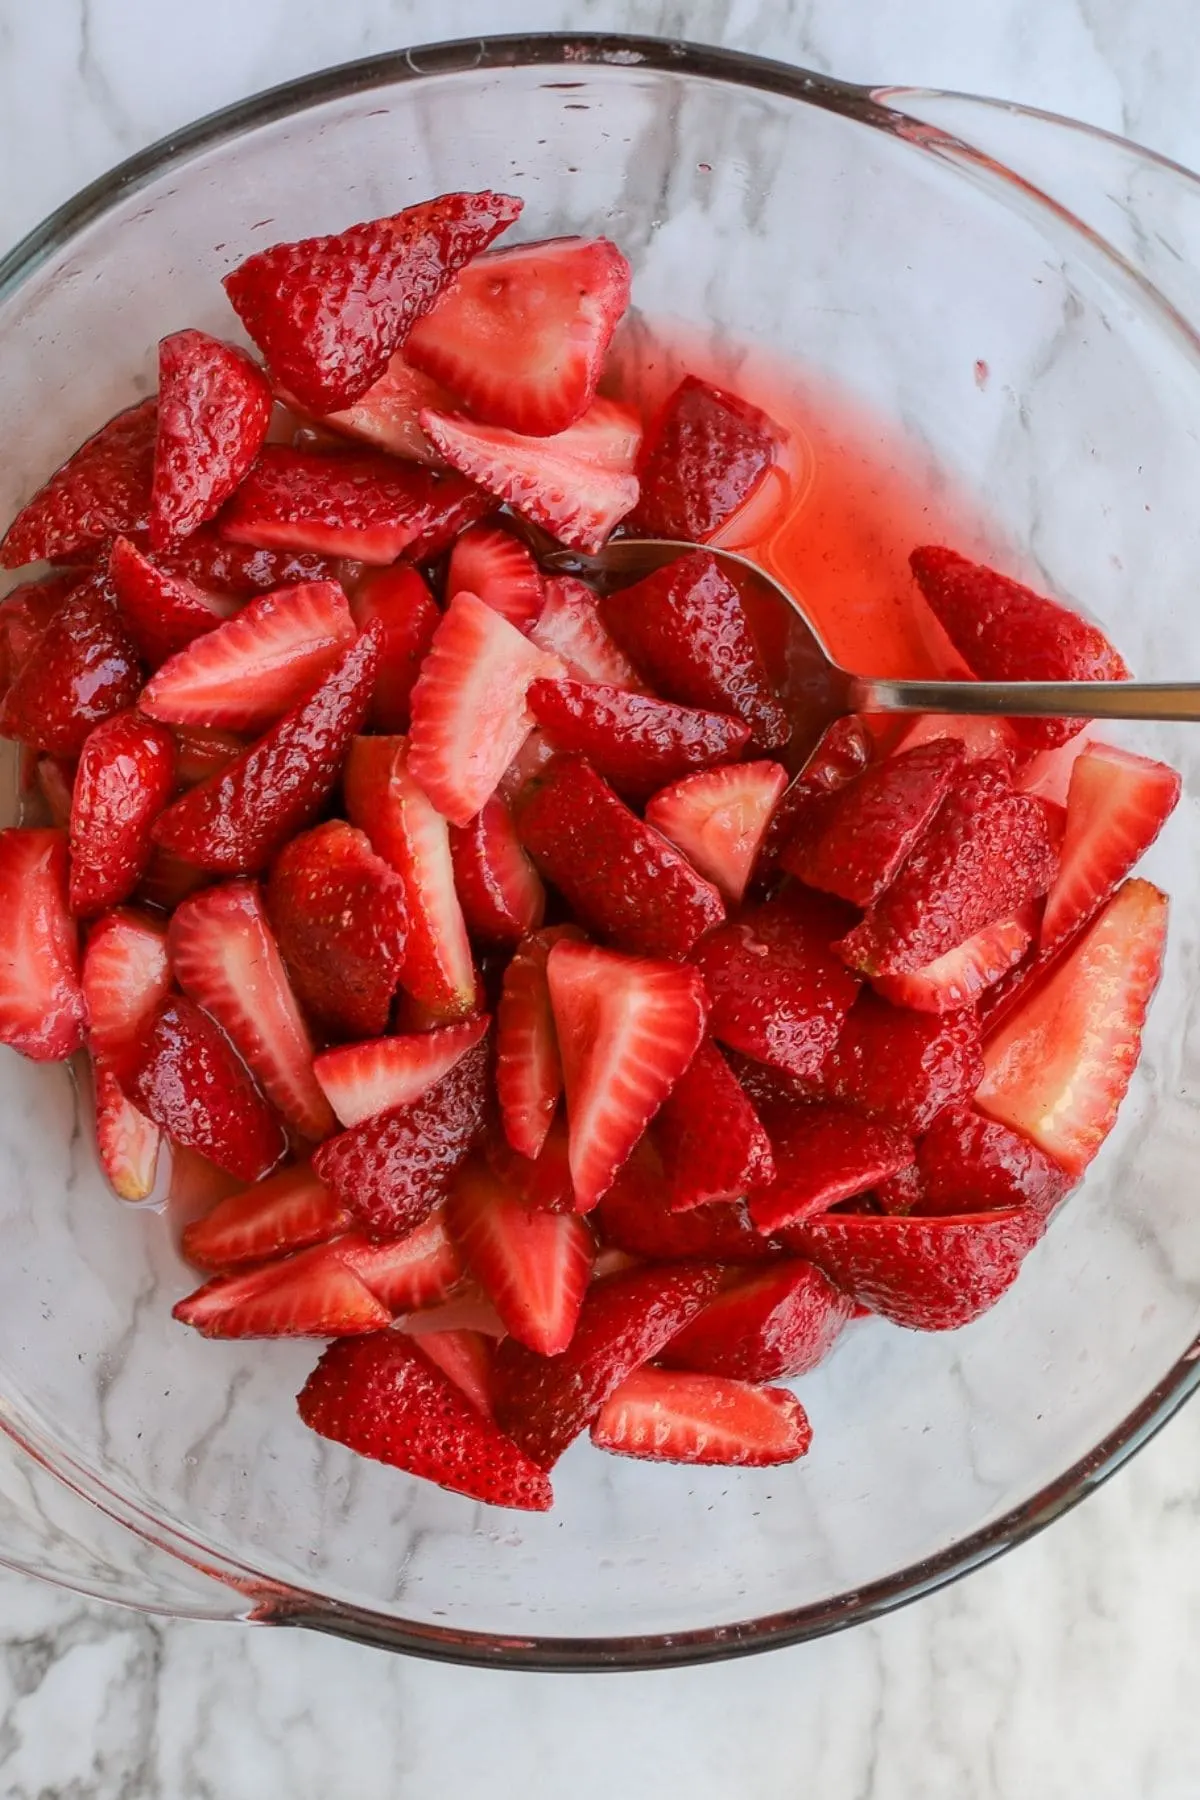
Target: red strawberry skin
{"x": 901, "y": 1066}
{"x": 25, "y": 612}
{"x": 634, "y": 741}
{"x": 712, "y": 1143}
{"x": 192, "y": 1082}
{"x": 398, "y": 600}
{"x": 963, "y": 976}
{"x": 125, "y": 777}
{"x": 85, "y": 670}
{"x": 769, "y": 1326}
{"x": 42, "y": 1011}
{"x": 360, "y": 1080}
{"x": 240, "y": 570}
{"x": 844, "y": 751}
{"x": 824, "y": 1155}
{"x": 162, "y": 613}
{"x": 705, "y": 457}
{"x": 103, "y": 488}
{"x": 500, "y": 890}
{"x": 971, "y": 1164}
{"x": 214, "y": 406}
{"x": 635, "y": 1216}
{"x": 680, "y": 1416}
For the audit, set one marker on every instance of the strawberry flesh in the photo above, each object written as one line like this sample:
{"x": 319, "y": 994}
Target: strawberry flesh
{"x": 162, "y": 613}
{"x": 419, "y": 1269}
{"x": 126, "y": 977}
{"x": 673, "y": 1415}
{"x": 127, "y": 1142}
{"x": 497, "y": 568}
{"x": 399, "y": 603}
{"x": 544, "y": 1180}
{"x": 824, "y": 1155}
{"x": 707, "y": 454}
{"x": 85, "y": 669}
{"x": 528, "y": 1067}
{"x": 500, "y": 891}
{"x": 361, "y": 1080}
{"x": 569, "y": 625}
{"x": 768, "y": 1326}
{"x": 533, "y": 1265}
{"x": 637, "y": 743}
{"x": 103, "y": 488}
{"x": 962, "y": 976}
{"x": 712, "y": 1144}
{"x": 214, "y": 407}
{"x": 388, "y": 415}
{"x": 192, "y": 1082}
{"x": 719, "y": 818}
{"x": 125, "y": 777}
{"x": 311, "y": 1294}
{"x": 42, "y": 1011}
{"x": 1117, "y": 804}
{"x": 288, "y": 1211}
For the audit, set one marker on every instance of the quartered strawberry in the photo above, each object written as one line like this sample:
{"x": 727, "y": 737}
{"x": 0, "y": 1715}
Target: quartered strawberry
{"x": 687, "y": 632}
{"x": 391, "y": 1170}
{"x": 339, "y": 914}
{"x": 239, "y": 571}
{"x": 361, "y": 1080}
{"x": 466, "y": 1357}
{"x": 771, "y": 1325}
{"x": 544, "y": 1180}
{"x": 125, "y": 777}
{"x": 528, "y": 1067}
{"x": 85, "y": 669}
{"x": 1116, "y": 806}
{"x": 1006, "y": 632}
{"x": 162, "y": 612}
{"x": 288, "y": 1211}
{"x": 674, "y": 1415}
{"x": 627, "y": 1029}
{"x": 577, "y": 485}
{"x": 201, "y": 752}
{"x": 617, "y": 875}
{"x": 127, "y": 1142}
{"x": 25, "y": 612}
{"x": 634, "y": 741}
{"x": 214, "y": 407}
{"x": 521, "y": 335}
{"x": 712, "y": 1143}
{"x": 384, "y": 1398}
{"x": 56, "y": 781}
{"x": 843, "y": 752}
{"x": 823, "y": 1155}
{"x": 225, "y": 957}
{"x": 970, "y": 1164}
{"x": 500, "y": 891}
{"x": 778, "y": 992}
{"x": 570, "y": 626}
{"x": 406, "y": 830}
{"x": 545, "y": 1402}
{"x": 469, "y": 709}
{"x": 192, "y": 1082}
{"x": 706, "y": 455}
{"x": 1058, "y": 1069}
{"x": 388, "y": 415}
{"x": 237, "y": 820}
{"x": 419, "y": 1269}
{"x": 126, "y": 977}
{"x": 718, "y": 818}
{"x": 103, "y": 488}
{"x": 311, "y": 1294}
{"x": 901, "y": 1066}
{"x": 961, "y": 976}
{"x": 636, "y": 1216}
{"x": 328, "y": 312}
{"x": 534, "y": 1266}
{"x": 496, "y": 567}
{"x": 398, "y": 602}
{"x": 42, "y": 1012}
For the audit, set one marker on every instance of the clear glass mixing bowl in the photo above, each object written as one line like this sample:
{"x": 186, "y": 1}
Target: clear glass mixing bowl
{"x": 892, "y": 240}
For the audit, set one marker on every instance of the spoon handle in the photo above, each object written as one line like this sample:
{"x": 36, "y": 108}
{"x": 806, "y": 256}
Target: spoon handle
{"x": 1030, "y": 699}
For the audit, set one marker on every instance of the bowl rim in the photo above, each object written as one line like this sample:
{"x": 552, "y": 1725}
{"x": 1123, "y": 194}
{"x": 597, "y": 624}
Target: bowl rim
{"x": 269, "y": 1602}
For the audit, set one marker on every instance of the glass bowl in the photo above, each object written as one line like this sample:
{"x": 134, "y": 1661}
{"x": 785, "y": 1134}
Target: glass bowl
{"x": 1011, "y": 297}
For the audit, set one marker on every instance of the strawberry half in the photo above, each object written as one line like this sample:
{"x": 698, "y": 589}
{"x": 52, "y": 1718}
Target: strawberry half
{"x": 85, "y": 669}
{"x": 214, "y": 407}
{"x": 126, "y": 977}
{"x": 311, "y": 1294}
{"x": 42, "y": 1011}
{"x": 192, "y": 1082}
{"x": 397, "y": 601}
{"x": 361, "y": 1080}
{"x": 497, "y": 568}
{"x": 712, "y": 1143}
{"x": 288, "y": 1211}
{"x": 843, "y": 752}
{"x": 569, "y": 625}
{"x": 416, "y": 1270}
{"x": 961, "y": 976}
{"x": 706, "y": 455}
{"x": 1116, "y": 806}
{"x": 103, "y": 488}
{"x": 500, "y": 891}
{"x": 25, "y": 612}
{"x": 718, "y": 818}
{"x": 125, "y": 777}
{"x": 824, "y": 1155}
{"x": 163, "y": 613}
{"x": 127, "y": 1142}
{"x": 901, "y": 1066}
{"x": 528, "y": 1068}
{"x": 239, "y": 571}
{"x": 388, "y": 415}
{"x": 543, "y": 1181}
{"x": 769, "y": 1326}
{"x": 673, "y": 1415}
{"x": 636, "y": 1216}
{"x": 534, "y": 1266}
{"x": 634, "y": 741}
{"x": 971, "y": 1164}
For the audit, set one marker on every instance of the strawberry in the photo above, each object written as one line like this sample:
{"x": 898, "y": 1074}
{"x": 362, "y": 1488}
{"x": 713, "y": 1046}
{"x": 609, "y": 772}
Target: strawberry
{"x": 456, "y": 506}
{"x": 500, "y": 891}
{"x": 718, "y": 818}
{"x": 469, "y": 711}
{"x": 534, "y": 1266}
{"x": 577, "y": 484}
{"x": 214, "y": 406}
{"x": 528, "y": 1067}
{"x": 778, "y": 991}
{"x": 191, "y": 1081}
{"x": 311, "y": 1294}
{"x": 42, "y": 1011}
{"x": 1057, "y": 1070}
{"x": 823, "y": 1155}
{"x": 127, "y": 1142}
{"x": 329, "y": 312}
{"x": 618, "y": 876}
{"x": 466, "y": 1357}
{"x": 902, "y": 1192}
{"x": 168, "y": 880}
{"x": 706, "y": 455}
{"x": 237, "y": 820}
{"x": 419, "y": 1269}
{"x": 126, "y": 978}
{"x": 970, "y": 1164}
{"x": 398, "y": 600}
{"x": 634, "y": 741}
{"x": 688, "y": 634}
{"x": 982, "y": 739}
{"x": 162, "y": 613}
{"x": 55, "y": 780}
{"x": 570, "y": 626}
{"x": 672, "y": 1415}
{"x": 125, "y": 776}
{"x": 467, "y": 1309}
{"x": 542, "y": 1181}
{"x": 85, "y": 670}
{"x": 1006, "y": 632}
{"x": 391, "y": 1170}
{"x": 844, "y": 751}
{"x": 712, "y": 1144}
{"x": 521, "y": 335}
{"x": 239, "y": 571}
{"x": 526, "y": 766}
{"x": 961, "y": 976}
{"x": 226, "y": 959}
{"x": 636, "y": 1216}
{"x": 287, "y": 1211}
{"x": 361, "y": 1080}
{"x": 901, "y": 1066}
{"x": 388, "y": 415}
{"x": 497, "y": 568}
{"x": 545, "y": 1402}
{"x": 407, "y": 831}
{"x": 384, "y": 1398}
{"x": 104, "y": 487}
{"x": 627, "y": 1029}
{"x": 200, "y": 752}
{"x": 25, "y": 613}
{"x": 771, "y": 1325}
{"x": 1116, "y": 806}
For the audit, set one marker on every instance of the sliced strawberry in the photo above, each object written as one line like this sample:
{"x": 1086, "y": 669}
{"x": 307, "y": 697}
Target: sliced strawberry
{"x": 239, "y": 571}
{"x": 286, "y": 1212}
{"x": 200, "y": 753}
{"x": 1116, "y": 806}
{"x": 225, "y": 957}
{"x": 192, "y": 1082}
{"x": 533, "y": 756}
{"x": 674, "y": 1415}
{"x": 824, "y": 1155}
{"x": 544, "y": 1180}
{"x": 528, "y": 1068}
{"x": 127, "y": 1142}
{"x": 618, "y": 876}
{"x": 168, "y": 880}
{"x": 467, "y": 1309}
{"x": 361, "y": 1080}
{"x": 466, "y": 1357}
{"x": 982, "y": 740}
{"x": 636, "y": 1216}
{"x": 903, "y": 1067}
{"x": 126, "y": 978}
{"x": 42, "y": 1011}
{"x": 497, "y": 568}
{"x": 577, "y": 485}
{"x": 103, "y": 488}
{"x": 500, "y": 890}
{"x": 958, "y": 978}
{"x": 417, "y": 1270}
{"x": 399, "y": 603}
{"x": 25, "y": 612}
{"x": 534, "y": 1266}
{"x": 843, "y": 752}
{"x": 56, "y": 782}
{"x": 712, "y": 1143}
{"x": 125, "y": 777}
{"x": 163, "y": 613}
{"x": 636, "y": 742}
{"x": 1006, "y": 632}
{"x": 718, "y": 818}
{"x": 311, "y": 1294}
{"x": 388, "y": 415}
{"x": 384, "y": 1398}
{"x": 769, "y": 1326}
{"x": 237, "y": 820}
{"x": 1058, "y": 1069}
{"x": 570, "y": 626}
{"x": 214, "y": 407}
{"x": 85, "y": 670}
{"x": 706, "y": 455}
{"x": 970, "y": 1164}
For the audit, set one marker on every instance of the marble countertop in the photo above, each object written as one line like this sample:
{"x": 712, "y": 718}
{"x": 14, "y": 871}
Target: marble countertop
{"x": 1067, "y": 1669}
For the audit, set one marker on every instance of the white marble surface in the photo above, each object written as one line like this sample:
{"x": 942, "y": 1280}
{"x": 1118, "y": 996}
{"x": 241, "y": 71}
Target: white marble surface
{"x": 1067, "y": 1669}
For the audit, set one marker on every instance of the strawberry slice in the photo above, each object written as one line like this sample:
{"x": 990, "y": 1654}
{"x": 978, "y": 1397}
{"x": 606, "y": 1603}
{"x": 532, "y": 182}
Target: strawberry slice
{"x": 399, "y": 603}
{"x": 843, "y": 752}
{"x": 769, "y": 1326}
{"x": 521, "y": 335}
{"x": 635, "y": 1216}
{"x": 824, "y": 1155}
{"x": 56, "y": 781}
{"x": 617, "y": 875}
{"x": 25, "y": 613}
{"x": 417, "y": 1270}
{"x": 125, "y": 777}
{"x": 674, "y": 1415}
{"x": 528, "y": 1067}
{"x": 1058, "y": 1069}
{"x": 707, "y": 454}
{"x": 361, "y": 1080}
{"x": 288, "y": 1211}
{"x": 214, "y": 407}
{"x": 467, "y": 1309}
{"x": 329, "y": 312}
{"x": 577, "y": 485}
{"x": 526, "y": 766}
{"x": 466, "y": 1357}
{"x": 85, "y": 670}
{"x": 192, "y": 1082}
{"x": 103, "y": 488}
{"x": 1006, "y": 632}
{"x": 636, "y": 742}
{"x": 719, "y": 818}
{"x": 237, "y": 820}
{"x": 961, "y": 976}
{"x": 311, "y": 1294}
{"x": 1116, "y": 806}
{"x": 971, "y": 1164}
{"x": 543, "y": 1181}
{"x": 534, "y": 1266}
{"x": 126, "y": 977}
{"x": 42, "y": 1011}
{"x": 712, "y": 1143}
{"x": 408, "y": 832}
{"x": 226, "y": 959}
{"x": 687, "y": 632}
{"x": 497, "y": 568}
{"x": 627, "y": 1029}
{"x": 569, "y": 625}
{"x": 384, "y": 1398}
{"x": 127, "y": 1142}
{"x": 982, "y": 740}
{"x": 163, "y": 613}
{"x": 545, "y": 1402}
{"x": 239, "y": 571}
{"x": 903, "y": 1067}
{"x": 388, "y": 415}
{"x": 500, "y": 891}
